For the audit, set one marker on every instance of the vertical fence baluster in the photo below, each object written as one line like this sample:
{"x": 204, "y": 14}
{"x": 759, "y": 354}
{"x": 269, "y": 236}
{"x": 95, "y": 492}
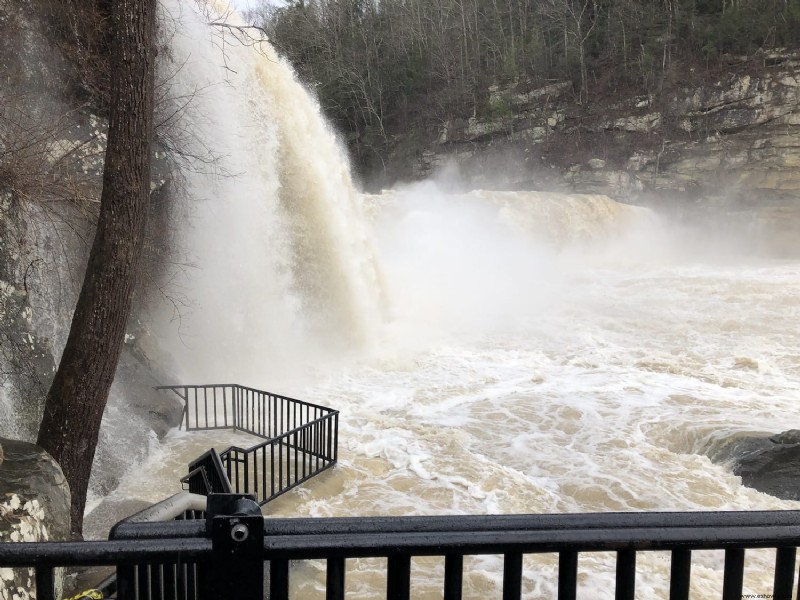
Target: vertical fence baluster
{"x": 680, "y": 574}
{"x": 45, "y": 583}
{"x": 272, "y": 468}
{"x": 329, "y": 438}
{"x": 237, "y": 462}
{"x": 319, "y": 426}
{"x": 512, "y": 576}
{"x": 398, "y": 578}
{"x": 567, "y": 575}
{"x": 246, "y": 472}
{"x": 214, "y": 400}
{"x": 734, "y": 574}
{"x": 783, "y": 585}
{"x": 157, "y": 582}
{"x": 453, "y": 576}
{"x": 169, "y": 589}
{"x": 191, "y": 581}
{"x": 205, "y": 407}
{"x": 225, "y": 406}
{"x": 305, "y": 452}
{"x": 262, "y": 412}
{"x": 626, "y": 574}
{"x": 234, "y": 406}
{"x": 275, "y": 408}
{"x": 126, "y": 582}
{"x": 196, "y": 408}
{"x": 336, "y": 437}
{"x": 296, "y": 470}
{"x": 255, "y": 473}
{"x": 250, "y": 411}
{"x": 334, "y": 580}
{"x": 278, "y": 579}
{"x": 280, "y": 464}
{"x": 143, "y": 582}
{"x": 288, "y": 461}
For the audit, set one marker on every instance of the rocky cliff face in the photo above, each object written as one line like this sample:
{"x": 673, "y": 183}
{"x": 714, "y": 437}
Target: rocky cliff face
{"x": 52, "y": 145}
{"x": 725, "y": 149}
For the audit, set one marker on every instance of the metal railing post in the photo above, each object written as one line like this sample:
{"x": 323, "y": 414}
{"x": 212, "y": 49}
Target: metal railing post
{"x": 236, "y": 528}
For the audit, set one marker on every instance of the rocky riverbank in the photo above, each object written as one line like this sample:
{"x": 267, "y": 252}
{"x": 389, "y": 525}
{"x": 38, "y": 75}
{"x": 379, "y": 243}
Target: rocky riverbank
{"x": 770, "y": 464}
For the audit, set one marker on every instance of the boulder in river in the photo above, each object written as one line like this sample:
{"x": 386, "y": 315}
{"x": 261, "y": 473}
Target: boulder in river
{"x": 770, "y": 464}
{"x": 34, "y": 507}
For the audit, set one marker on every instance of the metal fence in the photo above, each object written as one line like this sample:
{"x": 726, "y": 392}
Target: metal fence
{"x": 233, "y": 544}
{"x": 301, "y": 438}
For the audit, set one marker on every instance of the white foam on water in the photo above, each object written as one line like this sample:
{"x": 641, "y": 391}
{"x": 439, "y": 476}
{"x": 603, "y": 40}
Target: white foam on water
{"x": 541, "y": 353}
{"x": 280, "y": 266}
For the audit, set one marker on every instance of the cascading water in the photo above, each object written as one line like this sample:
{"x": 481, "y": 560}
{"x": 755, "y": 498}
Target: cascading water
{"x": 540, "y": 353}
{"x": 281, "y": 261}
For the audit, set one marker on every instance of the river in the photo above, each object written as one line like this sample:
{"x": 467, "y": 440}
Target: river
{"x": 490, "y": 352}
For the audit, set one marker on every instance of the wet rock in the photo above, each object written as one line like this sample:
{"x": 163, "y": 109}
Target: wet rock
{"x": 34, "y": 507}
{"x": 770, "y": 464}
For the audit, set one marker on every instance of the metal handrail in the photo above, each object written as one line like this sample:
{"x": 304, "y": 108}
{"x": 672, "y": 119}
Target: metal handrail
{"x": 300, "y": 438}
{"x": 170, "y": 547}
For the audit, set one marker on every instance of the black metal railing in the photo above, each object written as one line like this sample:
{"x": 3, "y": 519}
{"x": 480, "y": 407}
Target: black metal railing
{"x": 233, "y": 544}
{"x": 275, "y": 466}
{"x": 183, "y": 506}
{"x": 301, "y": 439}
{"x": 230, "y": 406}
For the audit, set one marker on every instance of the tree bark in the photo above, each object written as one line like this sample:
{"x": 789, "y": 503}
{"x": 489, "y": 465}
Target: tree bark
{"x": 77, "y": 397}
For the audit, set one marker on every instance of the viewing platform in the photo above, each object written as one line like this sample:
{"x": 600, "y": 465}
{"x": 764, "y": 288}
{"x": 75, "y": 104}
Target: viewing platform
{"x": 300, "y": 440}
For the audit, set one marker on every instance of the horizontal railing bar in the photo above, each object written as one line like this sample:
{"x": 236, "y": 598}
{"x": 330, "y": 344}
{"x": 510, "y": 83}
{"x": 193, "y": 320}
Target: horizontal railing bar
{"x": 303, "y": 402}
{"x": 95, "y": 553}
{"x": 445, "y": 523}
{"x": 195, "y": 386}
{"x": 188, "y": 428}
{"x": 588, "y": 523}
{"x": 527, "y": 542}
{"x": 245, "y": 388}
{"x": 128, "y": 530}
{"x": 765, "y": 528}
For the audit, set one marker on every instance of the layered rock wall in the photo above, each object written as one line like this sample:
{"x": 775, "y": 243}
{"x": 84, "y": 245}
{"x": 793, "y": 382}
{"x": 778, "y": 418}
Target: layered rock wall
{"x": 727, "y": 149}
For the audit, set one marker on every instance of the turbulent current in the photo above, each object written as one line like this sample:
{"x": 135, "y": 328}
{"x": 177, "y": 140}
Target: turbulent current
{"x": 490, "y": 352}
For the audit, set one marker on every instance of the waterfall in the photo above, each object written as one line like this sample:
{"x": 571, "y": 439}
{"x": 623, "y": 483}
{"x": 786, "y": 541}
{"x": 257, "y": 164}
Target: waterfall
{"x": 279, "y": 264}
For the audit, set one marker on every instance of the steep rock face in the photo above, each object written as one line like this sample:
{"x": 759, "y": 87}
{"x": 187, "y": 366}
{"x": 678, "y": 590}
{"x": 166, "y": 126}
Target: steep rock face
{"x": 52, "y": 146}
{"x": 728, "y": 150}
{"x": 34, "y": 507}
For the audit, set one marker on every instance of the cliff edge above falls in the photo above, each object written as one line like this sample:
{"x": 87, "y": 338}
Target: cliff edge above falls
{"x": 720, "y": 149}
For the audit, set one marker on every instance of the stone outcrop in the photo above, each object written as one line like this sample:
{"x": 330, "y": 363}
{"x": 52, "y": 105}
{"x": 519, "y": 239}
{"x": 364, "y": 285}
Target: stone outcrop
{"x": 770, "y": 464}
{"x": 727, "y": 152}
{"x": 52, "y": 147}
{"x": 34, "y": 507}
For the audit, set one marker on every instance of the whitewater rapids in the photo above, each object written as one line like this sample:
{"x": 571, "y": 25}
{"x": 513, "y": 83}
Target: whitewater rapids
{"x": 489, "y": 352}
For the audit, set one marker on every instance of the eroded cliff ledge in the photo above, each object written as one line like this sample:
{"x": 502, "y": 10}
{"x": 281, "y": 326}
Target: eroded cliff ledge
{"x": 720, "y": 148}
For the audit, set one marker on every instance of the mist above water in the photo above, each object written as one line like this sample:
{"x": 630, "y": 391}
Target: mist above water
{"x": 280, "y": 267}
{"x": 490, "y": 352}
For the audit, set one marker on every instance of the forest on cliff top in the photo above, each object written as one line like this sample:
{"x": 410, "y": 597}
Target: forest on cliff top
{"x": 386, "y": 67}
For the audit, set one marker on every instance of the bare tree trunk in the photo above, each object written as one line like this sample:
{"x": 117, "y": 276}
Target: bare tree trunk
{"x": 76, "y": 400}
